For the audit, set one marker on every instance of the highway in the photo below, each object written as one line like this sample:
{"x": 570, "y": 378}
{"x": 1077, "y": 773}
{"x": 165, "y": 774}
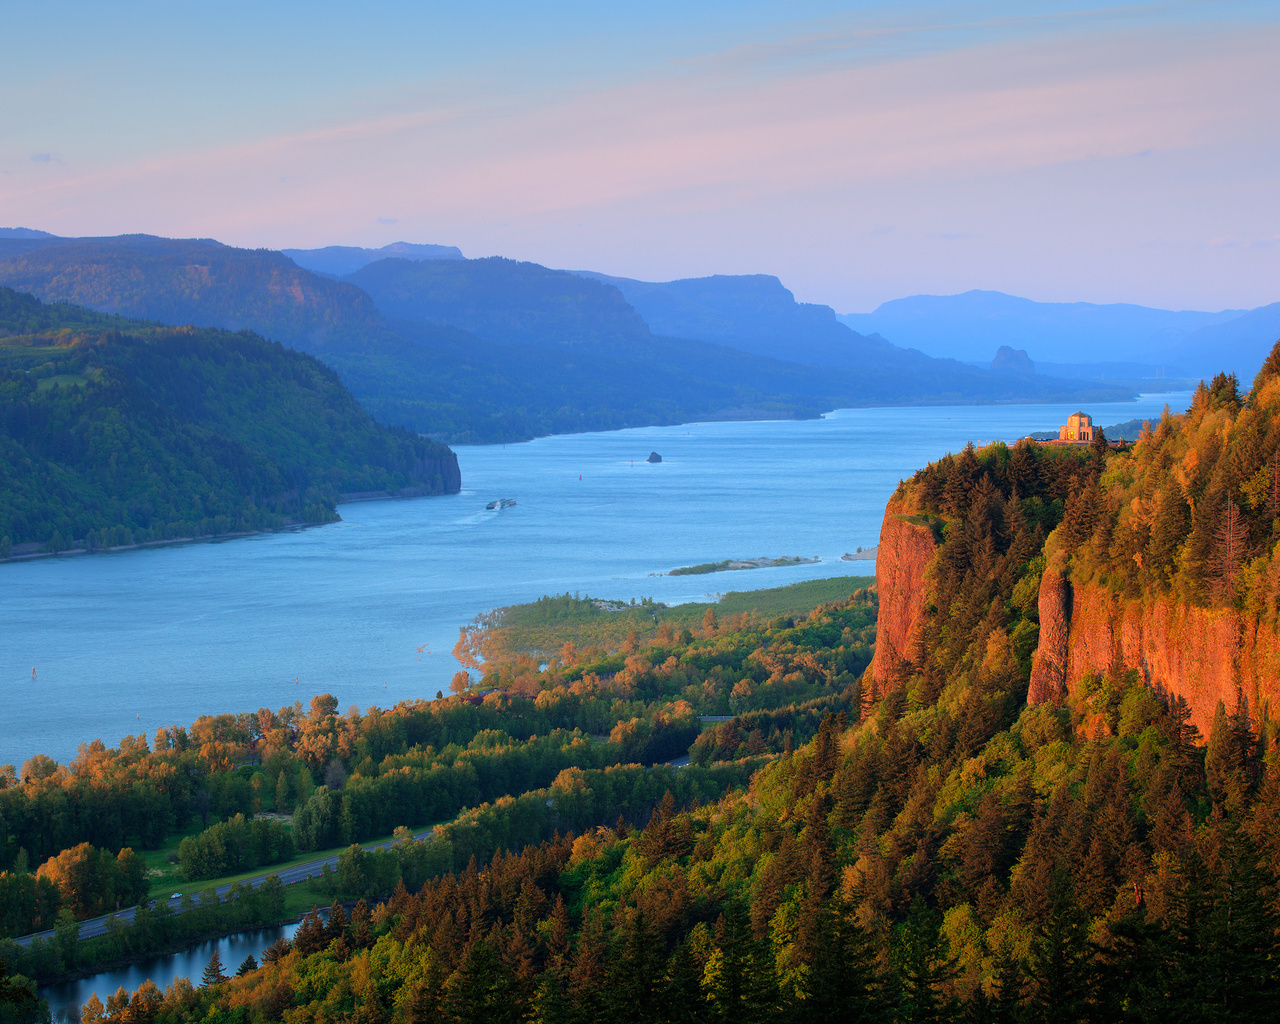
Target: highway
{"x": 96, "y": 926}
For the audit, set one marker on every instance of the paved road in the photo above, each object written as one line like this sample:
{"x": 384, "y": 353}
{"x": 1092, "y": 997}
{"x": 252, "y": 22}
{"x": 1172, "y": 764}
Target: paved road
{"x": 298, "y": 873}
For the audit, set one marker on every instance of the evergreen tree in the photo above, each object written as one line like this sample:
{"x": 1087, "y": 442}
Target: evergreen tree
{"x": 310, "y": 936}
{"x": 1061, "y": 970}
{"x": 921, "y": 966}
{"x": 213, "y": 971}
{"x": 738, "y": 982}
{"x": 480, "y": 990}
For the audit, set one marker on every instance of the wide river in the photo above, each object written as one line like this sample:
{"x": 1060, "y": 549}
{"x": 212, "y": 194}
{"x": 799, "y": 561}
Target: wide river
{"x": 368, "y": 609}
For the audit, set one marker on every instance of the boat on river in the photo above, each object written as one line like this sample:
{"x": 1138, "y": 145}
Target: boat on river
{"x": 501, "y": 503}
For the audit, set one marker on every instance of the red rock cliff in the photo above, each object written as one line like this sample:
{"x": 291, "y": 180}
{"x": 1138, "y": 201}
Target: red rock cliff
{"x": 1049, "y": 666}
{"x": 904, "y": 554}
{"x": 1200, "y": 654}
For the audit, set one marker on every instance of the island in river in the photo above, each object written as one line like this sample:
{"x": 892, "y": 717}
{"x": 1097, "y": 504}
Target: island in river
{"x": 731, "y": 564}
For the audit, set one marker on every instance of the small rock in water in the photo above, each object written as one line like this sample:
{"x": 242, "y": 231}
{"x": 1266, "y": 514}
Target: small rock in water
{"x": 654, "y": 457}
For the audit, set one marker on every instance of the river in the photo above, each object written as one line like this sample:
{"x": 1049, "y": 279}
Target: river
{"x": 368, "y": 609}
{"x": 66, "y": 999}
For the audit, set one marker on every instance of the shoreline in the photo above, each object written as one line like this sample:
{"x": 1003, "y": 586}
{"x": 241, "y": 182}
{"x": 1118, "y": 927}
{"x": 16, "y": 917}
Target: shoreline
{"x": 29, "y": 556}
{"x": 343, "y": 499}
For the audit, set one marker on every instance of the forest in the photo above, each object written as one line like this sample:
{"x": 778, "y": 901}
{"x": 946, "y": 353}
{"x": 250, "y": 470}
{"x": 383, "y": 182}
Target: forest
{"x": 926, "y": 845}
{"x": 116, "y": 432}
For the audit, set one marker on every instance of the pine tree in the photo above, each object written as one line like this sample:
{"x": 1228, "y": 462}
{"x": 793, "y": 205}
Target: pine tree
{"x": 679, "y": 991}
{"x": 550, "y": 1005}
{"x": 1219, "y": 758}
{"x": 1228, "y": 552}
{"x": 247, "y": 966}
{"x": 213, "y": 971}
{"x": 840, "y": 982}
{"x": 336, "y": 926}
{"x": 1062, "y": 966}
{"x": 310, "y": 936}
{"x": 921, "y": 966}
{"x": 634, "y": 970}
{"x": 1172, "y": 523}
{"x": 739, "y": 981}
{"x": 480, "y": 990}
{"x": 586, "y": 980}
{"x": 278, "y": 950}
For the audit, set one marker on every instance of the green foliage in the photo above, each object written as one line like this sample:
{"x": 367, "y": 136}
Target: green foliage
{"x": 28, "y": 902}
{"x": 153, "y": 433}
{"x": 155, "y": 927}
{"x": 233, "y": 847}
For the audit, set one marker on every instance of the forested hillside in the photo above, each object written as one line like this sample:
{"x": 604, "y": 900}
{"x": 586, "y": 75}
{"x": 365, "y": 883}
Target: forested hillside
{"x": 116, "y": 431}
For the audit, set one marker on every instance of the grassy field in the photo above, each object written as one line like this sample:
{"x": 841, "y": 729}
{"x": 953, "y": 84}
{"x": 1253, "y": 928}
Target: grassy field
{"x": 169, "y": 879}
{"x": 542, "y": 627}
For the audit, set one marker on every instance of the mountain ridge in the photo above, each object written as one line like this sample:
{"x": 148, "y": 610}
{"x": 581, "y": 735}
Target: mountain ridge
{"x": 972, "y": 325}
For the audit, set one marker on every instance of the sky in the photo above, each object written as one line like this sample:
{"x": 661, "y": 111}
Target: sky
{"x": 859, "y": 151}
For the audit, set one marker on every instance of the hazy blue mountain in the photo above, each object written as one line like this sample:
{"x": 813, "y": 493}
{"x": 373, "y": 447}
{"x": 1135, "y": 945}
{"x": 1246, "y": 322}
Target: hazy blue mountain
{"x": 191, "y": 281}
{"x": 504, "y": 300}
{"x": 489, "y": 350}
{"x": 1013, "y": 361}
{"x": 433, "y": 377}
{"x": 340, "y": 260}
{"x": 972, "y": 326}
{"x": 24, "y": 233}
{"x": 754, "y": 313}
{"x": 744, "y": 331}
{"x": 1240, "y": 344}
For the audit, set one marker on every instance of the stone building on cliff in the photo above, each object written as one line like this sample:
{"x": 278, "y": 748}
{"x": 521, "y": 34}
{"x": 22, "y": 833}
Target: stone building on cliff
{"x": 1079, "y": 428}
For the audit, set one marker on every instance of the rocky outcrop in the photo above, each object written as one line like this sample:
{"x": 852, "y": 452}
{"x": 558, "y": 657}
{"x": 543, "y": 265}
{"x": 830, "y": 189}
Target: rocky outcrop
{"x": 1201, "y": 654}
{"x": 654, "y": 457}
{"x": 1049, "y": 665}
{"x": 905, "y": 551}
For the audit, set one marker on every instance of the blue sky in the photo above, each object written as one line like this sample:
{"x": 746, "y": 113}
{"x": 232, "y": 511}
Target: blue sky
{"x": 859, "y": 151}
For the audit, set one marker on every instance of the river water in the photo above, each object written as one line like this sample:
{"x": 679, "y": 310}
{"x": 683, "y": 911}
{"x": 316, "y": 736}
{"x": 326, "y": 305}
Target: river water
{"x": 368, "y": 609}
{"x": 65, "y": 1000}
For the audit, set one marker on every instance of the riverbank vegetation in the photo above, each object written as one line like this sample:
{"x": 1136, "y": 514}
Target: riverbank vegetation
{"x": 541, "y": 628}
{"x": 348, "y": 778}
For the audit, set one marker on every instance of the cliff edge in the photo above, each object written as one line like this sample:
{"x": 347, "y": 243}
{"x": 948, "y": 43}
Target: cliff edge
{"x": 1064, "y": 574}
{"x": 907, "y": 546}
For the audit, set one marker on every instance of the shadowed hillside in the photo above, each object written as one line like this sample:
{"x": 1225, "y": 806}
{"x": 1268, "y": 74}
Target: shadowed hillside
{"x": 116, "y": 431}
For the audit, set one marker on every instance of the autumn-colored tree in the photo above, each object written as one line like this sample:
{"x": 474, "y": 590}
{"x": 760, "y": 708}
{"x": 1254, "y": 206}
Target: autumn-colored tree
{"x": 1230, "y": 548}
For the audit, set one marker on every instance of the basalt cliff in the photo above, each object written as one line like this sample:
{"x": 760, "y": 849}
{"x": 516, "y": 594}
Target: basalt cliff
{"x": 1085, "y": 569}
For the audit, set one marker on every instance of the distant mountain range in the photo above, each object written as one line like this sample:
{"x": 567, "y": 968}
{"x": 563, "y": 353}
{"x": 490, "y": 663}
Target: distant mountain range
{"x": 1099, "y": 339}
{"x": 338, "y": 260}
{"x": 493, "y": 349}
